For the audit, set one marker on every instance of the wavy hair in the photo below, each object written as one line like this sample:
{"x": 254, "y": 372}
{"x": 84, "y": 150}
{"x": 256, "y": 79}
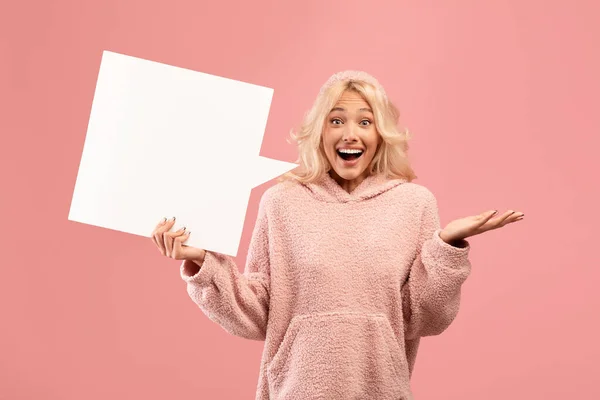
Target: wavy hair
{"x": 391, "y": 156}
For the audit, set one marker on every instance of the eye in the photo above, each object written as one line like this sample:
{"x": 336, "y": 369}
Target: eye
{"x": 366, "y": 120}
{"x": 335, "y": 119}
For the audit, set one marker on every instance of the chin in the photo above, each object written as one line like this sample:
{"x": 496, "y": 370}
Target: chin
{"x": 348, "y": 173}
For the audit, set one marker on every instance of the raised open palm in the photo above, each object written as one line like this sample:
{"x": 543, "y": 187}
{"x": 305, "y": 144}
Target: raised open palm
{"x": 463, "y": 228}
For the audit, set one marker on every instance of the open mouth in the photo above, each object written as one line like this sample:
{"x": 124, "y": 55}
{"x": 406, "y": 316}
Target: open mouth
{"x": 349, "y": 155}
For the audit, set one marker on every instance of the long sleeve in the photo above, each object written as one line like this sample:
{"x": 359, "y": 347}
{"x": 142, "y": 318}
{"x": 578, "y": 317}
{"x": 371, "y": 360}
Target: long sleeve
{"x": 431, "y": 294}
{"x": 238, "y": 302}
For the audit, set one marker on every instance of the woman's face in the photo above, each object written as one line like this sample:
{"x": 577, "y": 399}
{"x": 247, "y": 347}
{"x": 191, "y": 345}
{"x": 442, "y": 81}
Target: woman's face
{"x": 350, "y": 125}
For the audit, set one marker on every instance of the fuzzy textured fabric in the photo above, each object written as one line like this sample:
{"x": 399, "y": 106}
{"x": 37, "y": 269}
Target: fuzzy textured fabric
{"x": 340, "y": 286}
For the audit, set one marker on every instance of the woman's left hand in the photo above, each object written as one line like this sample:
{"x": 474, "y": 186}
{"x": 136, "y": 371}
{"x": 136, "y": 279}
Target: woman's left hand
{"x": 462, "y": 228}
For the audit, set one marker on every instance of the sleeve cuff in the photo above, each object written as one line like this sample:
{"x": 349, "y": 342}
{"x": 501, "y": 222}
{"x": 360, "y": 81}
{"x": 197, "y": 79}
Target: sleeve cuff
{"x": 442, "y": 250}
{"x": 204, "y": 275}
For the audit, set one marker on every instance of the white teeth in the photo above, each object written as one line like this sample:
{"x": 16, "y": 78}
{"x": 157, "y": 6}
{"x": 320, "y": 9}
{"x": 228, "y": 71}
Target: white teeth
{"x": 350, "y": 151}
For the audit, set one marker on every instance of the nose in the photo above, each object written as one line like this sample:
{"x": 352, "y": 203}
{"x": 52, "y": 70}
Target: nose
{"x": 349, "y": 134}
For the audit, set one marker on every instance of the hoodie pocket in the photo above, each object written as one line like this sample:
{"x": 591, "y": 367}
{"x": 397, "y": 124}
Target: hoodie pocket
{"x": 339, "y": 355}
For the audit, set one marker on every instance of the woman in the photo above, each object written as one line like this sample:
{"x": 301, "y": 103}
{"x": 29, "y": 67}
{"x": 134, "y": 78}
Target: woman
{"x": 347, "y": 266}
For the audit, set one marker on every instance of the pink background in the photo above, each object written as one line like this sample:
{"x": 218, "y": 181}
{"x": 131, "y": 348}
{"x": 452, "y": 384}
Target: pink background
{"x": 502, "y": 99}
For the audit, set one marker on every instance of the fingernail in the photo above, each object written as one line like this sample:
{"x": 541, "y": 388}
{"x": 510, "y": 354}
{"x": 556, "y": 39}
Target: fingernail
{"x": 182, "y": 229}
{"x": 495, "y": 211}
{"x": 164, "y": 220}
{"x": 173, "y": 219}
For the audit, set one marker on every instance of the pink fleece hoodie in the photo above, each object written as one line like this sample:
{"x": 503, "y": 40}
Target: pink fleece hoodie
{"x": 340, "y": 286}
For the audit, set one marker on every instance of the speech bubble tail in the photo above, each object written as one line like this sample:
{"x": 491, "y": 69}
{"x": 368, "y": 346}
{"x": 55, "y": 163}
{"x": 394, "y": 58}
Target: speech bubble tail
{"x": 264, "y": 169}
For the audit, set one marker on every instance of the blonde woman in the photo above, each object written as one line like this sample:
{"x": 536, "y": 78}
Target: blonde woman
{"x": 348, "y": 266}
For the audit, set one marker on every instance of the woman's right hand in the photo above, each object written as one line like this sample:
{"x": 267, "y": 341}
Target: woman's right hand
{"x": 171, "y": 244}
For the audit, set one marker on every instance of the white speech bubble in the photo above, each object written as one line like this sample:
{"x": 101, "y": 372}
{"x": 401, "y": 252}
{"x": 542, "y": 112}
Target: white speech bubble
{"x": 166, "y": 141}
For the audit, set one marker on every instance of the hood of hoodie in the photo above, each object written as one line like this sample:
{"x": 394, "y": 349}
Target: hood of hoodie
{"x": 328, "y": 190}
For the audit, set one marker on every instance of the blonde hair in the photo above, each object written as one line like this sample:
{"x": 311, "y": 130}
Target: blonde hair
{"x": 390, "y": 159}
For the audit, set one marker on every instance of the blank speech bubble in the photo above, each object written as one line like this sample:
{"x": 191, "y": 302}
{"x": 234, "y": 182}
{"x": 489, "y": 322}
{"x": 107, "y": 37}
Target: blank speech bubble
{"x": 166, "y": 141}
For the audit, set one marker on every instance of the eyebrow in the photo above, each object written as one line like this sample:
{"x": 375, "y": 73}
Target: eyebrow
{"x": 343, "y": 109}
